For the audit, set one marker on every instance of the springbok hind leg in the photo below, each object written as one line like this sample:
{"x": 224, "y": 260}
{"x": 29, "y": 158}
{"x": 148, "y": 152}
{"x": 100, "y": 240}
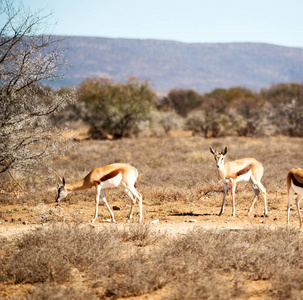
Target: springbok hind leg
{"x": 139, "y": 197}
{"x": 256, "y": 194}
{"x": 263, "y": 190}
{"x": 290, "y": 197}
{"x": 298, "y": 199}
{"x": 133, "y": 202}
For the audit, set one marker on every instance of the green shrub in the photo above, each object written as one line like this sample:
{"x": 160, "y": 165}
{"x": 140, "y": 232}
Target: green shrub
{"x": 115, "y": 109}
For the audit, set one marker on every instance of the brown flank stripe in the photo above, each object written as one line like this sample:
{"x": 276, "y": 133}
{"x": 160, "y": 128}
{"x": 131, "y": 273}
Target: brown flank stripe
{"x": 296, "y": 182}
{"x": 110, "y": 175}
{"x": 244, "y": 171}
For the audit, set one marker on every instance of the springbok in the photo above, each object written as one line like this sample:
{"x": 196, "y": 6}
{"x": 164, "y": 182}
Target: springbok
{"x": 295, "y": 186}
{"x": 109, "y": 176}
{"x": 245, "y": 169}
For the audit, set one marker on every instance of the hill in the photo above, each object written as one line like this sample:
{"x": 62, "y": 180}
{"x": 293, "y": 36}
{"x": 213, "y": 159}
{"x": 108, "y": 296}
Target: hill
{"x": 169, "y": 64}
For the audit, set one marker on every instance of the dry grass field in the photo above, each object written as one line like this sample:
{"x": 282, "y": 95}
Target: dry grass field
{"x": 188, "y": 252}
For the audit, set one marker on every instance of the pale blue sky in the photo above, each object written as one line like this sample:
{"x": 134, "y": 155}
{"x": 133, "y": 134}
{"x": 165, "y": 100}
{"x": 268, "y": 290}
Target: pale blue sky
{"x": 192, "y": 21}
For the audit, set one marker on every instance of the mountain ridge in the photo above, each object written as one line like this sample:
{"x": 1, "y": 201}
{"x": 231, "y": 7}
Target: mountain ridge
{"x": 172, "y": 64}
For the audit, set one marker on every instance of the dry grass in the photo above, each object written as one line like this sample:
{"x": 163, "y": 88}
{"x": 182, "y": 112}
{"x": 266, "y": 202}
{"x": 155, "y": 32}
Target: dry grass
{"x": 165, "y": 164}
{"x": 79, "y": 262}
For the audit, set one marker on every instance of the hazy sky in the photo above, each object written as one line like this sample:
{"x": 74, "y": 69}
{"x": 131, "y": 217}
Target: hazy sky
{"x": 277, "y": 22}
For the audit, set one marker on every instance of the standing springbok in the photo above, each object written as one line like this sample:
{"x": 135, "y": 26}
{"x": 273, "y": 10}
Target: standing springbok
{"x": 295, "y": 186}
{"x": 109, "y": 176}
{"x": 245, "y": 169}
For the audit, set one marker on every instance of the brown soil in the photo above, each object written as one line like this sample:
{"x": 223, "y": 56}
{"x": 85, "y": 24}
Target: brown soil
{"x": 173, "y": 218}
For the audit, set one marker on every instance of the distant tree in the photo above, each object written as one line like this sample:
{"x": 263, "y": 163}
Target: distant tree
{"x": 249, "y": 116}
{"x": 209, "y": 123}
{"x": 196, "y": 121}
{"x": 182, "y": 101}
{"x": 223, "y": 99}
{"x": 286, "y": 102}
{"x": 115, "y": 108}
{"x": 238, "y": 110}
{"x": 170, "y": 120}
{"x": 26, "y": 60}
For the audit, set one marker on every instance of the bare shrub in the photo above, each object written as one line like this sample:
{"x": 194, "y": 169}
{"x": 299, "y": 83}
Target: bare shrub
{"x": 133, "y": 276}
{"x": 260, "y": 254}
{"x": 202, "y": 264}
{"x": 58, "y": 293}
{"x": 139, "y": 234}
{"x": 49, "y": 255}
{"x": 210, "y": 285}
{"x": 32, "y": 265}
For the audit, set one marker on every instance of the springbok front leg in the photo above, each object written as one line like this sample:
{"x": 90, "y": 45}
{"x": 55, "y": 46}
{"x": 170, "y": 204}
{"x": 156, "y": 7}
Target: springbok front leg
{"x": 224, "y": 197}
{"x": 105, "y": 201}
{"x": 234, "y": 184}
{"x": 98, "y": 190}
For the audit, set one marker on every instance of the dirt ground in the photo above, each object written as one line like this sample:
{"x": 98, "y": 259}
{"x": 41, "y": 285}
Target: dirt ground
{"x": 171, "y": 218}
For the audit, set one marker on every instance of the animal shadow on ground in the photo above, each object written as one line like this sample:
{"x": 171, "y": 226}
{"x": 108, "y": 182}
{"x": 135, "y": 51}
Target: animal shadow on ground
{"x": 191, "y": 214}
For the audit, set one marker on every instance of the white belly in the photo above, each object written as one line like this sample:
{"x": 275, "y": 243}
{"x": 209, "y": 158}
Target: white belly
{"x": 113, "y": 182}
{"x": 244, "y": 177}
{"x": 298, "y": 190}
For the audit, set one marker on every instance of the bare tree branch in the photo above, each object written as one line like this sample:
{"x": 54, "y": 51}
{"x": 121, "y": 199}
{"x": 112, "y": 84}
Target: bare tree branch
{"x": 27, "y": 61}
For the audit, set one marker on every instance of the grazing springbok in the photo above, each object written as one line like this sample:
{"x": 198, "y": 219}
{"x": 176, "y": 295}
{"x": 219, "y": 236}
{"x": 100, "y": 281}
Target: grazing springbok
{"x": 245, "y": 169}
{"x": 109, "y": 176}
{"x": 295, "y": 186}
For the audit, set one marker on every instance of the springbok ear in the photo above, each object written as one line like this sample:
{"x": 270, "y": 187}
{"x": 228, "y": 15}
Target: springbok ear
{"x": 212, "y": 151}
{"x": 225, "y": 151}
{"x": 58, "y": 185}
{"x": 63, "y": 181}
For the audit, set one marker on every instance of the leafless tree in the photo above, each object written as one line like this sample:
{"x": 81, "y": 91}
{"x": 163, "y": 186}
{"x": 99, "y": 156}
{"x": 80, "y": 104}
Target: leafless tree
{"x": 27, "y": 61}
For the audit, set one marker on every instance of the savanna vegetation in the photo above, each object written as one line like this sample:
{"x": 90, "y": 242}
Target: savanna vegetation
{"x": 214, "y": 257}
{"x": 237, "y": 111}
{"x": 79, "y": 263}
{"x": 167, "y": 139}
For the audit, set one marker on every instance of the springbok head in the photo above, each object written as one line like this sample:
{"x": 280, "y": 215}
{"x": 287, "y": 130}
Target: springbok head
{"x": 219, "y": 156}
{"x": 62, "y": 192}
